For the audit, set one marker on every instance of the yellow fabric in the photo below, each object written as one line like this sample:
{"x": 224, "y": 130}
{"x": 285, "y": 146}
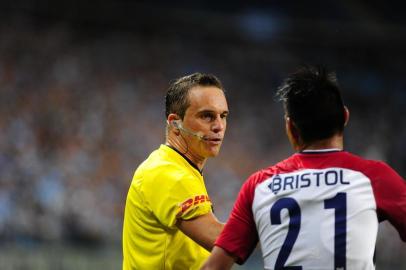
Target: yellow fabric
{"x": 165, "y": 187}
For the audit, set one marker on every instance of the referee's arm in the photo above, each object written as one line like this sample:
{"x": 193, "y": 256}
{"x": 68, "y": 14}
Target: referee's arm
{"x": 203, "y": 229}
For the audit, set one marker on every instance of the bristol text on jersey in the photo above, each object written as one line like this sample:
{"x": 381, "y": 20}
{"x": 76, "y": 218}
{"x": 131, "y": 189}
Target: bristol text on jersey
{"x": 306, "y": 179}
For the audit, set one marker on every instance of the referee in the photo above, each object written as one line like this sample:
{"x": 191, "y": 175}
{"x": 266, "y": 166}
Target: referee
{"x": 168, "y": 220}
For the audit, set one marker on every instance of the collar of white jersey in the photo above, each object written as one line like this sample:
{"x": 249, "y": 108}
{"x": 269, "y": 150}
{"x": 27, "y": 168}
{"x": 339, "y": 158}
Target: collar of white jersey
{"x": 315, "y": 151}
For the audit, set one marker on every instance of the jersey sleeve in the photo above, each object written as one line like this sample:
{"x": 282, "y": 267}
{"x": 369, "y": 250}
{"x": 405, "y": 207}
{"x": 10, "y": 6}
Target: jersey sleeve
{"x": 239, "y": 236}
{"x": 390, "y": 194}
{"x": 178, "y": 196}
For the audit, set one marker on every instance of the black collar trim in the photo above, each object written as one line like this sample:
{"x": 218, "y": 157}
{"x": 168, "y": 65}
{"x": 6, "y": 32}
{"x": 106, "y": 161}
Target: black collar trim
{"x": 186, "y": 158}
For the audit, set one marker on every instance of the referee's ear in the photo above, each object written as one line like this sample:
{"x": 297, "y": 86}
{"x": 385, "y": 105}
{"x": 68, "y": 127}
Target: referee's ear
{"x": 171, "y": 122}
{"x": 172, "y": 117}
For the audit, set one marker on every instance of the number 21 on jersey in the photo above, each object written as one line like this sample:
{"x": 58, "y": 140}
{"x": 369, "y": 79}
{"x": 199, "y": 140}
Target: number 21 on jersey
{"x": 337, "y": 203}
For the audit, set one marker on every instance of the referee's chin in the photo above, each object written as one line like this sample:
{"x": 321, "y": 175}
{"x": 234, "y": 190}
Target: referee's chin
{"x": 213, "y": 152}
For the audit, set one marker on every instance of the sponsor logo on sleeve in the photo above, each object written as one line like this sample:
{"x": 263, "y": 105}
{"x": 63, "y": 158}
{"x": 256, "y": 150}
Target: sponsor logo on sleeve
{"x": 198, "y": 199}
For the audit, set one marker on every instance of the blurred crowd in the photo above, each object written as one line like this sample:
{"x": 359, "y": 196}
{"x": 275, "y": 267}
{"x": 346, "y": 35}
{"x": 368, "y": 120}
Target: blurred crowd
{"x": 79, "y": 111}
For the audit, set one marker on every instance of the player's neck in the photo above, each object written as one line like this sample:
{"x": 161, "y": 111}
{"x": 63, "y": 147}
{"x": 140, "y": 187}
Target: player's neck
{"x": 335, "y": 142}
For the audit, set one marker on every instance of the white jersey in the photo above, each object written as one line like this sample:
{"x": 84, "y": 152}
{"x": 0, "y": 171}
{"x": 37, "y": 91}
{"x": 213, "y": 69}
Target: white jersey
{"x": 316, "y": 211}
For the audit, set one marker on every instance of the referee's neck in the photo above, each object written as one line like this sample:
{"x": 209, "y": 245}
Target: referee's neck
{"x": 188, "y": 156}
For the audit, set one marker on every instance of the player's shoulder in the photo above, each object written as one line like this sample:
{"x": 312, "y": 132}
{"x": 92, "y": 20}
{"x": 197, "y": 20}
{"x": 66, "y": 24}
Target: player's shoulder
{"x": 265, "y": 173}
{"x": 260, "y": 176}
{"x": 377, "y": 171}
{"x": 366, "y": 166}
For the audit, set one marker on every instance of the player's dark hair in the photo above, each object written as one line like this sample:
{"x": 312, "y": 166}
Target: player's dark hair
{"x": 313, "y": 101}
{"x": 176, "y": 99}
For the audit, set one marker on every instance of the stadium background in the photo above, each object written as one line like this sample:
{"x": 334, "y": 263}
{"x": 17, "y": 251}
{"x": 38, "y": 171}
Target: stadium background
{"x": 82, "y": 86}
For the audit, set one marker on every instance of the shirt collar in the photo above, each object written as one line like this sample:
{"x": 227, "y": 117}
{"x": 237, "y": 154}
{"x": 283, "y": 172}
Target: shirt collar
{"x": 327, "y": 150}
{"x": 186, "y": 158}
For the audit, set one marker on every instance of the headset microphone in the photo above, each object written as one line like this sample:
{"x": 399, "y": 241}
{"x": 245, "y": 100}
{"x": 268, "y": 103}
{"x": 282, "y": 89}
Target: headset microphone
{"x": 179, "y": 126}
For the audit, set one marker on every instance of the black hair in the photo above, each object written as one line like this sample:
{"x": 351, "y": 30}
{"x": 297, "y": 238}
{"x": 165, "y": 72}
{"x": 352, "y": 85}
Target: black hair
{"x": 176, "y": 99}
{"x": 313, "y": 102}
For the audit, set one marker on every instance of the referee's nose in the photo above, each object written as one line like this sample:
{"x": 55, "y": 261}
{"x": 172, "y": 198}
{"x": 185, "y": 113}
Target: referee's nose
{"x": 219, "y": 124}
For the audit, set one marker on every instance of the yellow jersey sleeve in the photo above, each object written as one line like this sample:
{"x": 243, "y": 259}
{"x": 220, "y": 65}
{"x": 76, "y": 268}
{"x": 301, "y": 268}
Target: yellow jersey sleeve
{"x": 177, "y": 195}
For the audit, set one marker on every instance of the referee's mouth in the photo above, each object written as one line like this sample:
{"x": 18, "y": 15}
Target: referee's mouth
{"x": 213, "y": 139}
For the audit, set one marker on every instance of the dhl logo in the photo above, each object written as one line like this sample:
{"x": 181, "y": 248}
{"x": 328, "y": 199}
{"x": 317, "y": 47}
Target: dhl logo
{"x": 198, "y": 199}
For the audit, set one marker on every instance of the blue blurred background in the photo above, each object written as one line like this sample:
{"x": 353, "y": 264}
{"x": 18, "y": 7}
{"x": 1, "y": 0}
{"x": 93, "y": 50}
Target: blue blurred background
{"x": 82, "y": 87}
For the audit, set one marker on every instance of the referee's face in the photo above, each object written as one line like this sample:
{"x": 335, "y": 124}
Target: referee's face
{"x": 207, "y": 116}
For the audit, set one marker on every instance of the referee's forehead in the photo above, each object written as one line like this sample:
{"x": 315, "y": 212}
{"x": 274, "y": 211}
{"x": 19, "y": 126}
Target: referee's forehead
{"x": 210, "y": 97}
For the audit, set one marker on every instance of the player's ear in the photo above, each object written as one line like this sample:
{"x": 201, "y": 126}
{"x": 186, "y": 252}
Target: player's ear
{"x": 292, "y": 132}
{"x": 346, "y": 115}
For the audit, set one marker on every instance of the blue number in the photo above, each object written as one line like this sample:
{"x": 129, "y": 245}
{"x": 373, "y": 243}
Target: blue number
{"x": 293, "y": 232}
{"x": 339, "y": 203}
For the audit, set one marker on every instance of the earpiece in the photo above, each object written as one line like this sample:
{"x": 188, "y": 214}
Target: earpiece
{"x": 175, "y": 123}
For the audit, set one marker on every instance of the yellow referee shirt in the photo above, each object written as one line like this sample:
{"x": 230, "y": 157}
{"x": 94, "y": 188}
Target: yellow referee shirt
{"x": 165, "y": 187}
